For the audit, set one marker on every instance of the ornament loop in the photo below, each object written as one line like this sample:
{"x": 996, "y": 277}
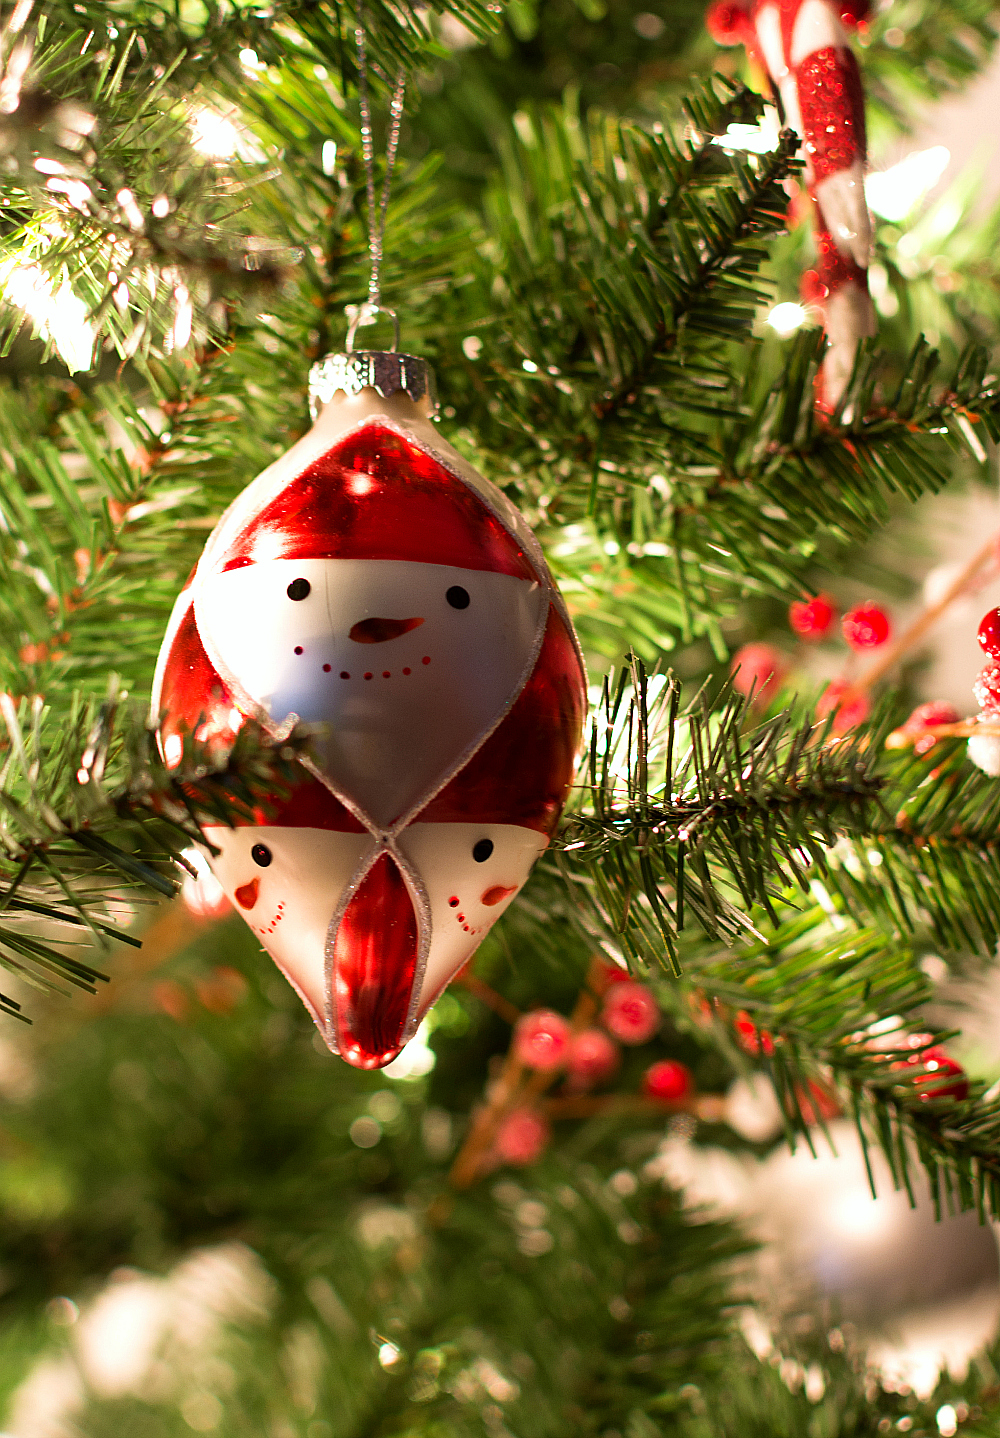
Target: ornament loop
{"x": 367, "y": 314}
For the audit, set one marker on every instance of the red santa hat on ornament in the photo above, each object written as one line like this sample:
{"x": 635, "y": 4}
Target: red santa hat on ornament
{"x": 377, "y": 495}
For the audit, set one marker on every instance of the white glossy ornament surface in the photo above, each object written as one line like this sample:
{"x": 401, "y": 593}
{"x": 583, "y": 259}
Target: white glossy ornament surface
{"x": 401, "y": 711}
{"x": 296, "y": 894}
{"x": 444, "y": 857}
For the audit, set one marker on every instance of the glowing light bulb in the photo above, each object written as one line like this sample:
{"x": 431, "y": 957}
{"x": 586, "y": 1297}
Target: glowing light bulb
{"x": 786, "y": 318}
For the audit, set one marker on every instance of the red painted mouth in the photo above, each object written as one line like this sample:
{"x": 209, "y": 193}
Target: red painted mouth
{"x": 378, "y": 631}
{"x": 374, "y": 963}
{"x": 246, "y": 894}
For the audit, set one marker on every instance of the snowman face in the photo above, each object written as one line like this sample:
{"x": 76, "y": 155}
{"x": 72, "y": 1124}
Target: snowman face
{"x": 286, "y": 884}
{"x": 290, "y": 885}
{"x": 470, "y": 873}
{"x": 408, "y": 664}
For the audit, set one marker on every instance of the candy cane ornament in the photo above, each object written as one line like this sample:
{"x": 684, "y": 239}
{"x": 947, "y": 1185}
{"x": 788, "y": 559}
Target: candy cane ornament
{"x": 803, "y": 46}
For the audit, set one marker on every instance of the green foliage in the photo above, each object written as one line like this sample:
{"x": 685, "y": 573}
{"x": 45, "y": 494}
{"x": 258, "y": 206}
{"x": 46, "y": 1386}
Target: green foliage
{"x": 89, "y": 814}
{"x": 689, "y": 802}
{"x": 578, "y": 1295}
{"x": 587, "y": 268}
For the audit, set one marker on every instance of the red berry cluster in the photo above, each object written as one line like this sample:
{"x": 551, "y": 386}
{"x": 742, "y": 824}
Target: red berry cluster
{"x": 944, "y": 1077}
{"x": 546, "y": 1042}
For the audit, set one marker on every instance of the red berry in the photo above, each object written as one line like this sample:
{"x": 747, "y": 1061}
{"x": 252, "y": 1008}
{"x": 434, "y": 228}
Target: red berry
{"x": 816, "y": 1102}
{"x": 851, "y": 705}
{"x": 728, "y": 23}
{"x": 631, "y": 1013}
{"x": 989, "y": 633}
{"x": 987, "y": 690}
{"x": 865, "y": 626}
{"x": 522, "y": 1137}
{"x": 941, "y": 1068}
{"x": 811, "y": 618}
{"x": 927, "y": 716}
{"x": 592, "y": 1057}
{"x": 612, "y": 974}
{"x": 757, "y": 669}
{"x": 668, "y": 1081}
{"x": 750, "y": 1038}
{"x": 541, "y": 1040}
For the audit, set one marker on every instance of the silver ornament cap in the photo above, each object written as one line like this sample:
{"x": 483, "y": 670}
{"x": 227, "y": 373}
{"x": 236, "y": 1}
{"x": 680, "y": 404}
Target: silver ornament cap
{"x": 385, "y": 371}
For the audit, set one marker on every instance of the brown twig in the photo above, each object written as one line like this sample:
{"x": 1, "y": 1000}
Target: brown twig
{"x": 928, "y": 617}
{"x": 962, "y": 729}
{"x": 515, "y": 1087}
{"x": 707, "y": 1107}
{"x": 488, "y": 996}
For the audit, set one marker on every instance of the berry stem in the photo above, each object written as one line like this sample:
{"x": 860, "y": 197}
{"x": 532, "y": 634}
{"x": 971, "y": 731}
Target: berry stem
{"x": 514, "y": 1087}
{"x": 489, "y": 996}
{"x": 929, "y": 616}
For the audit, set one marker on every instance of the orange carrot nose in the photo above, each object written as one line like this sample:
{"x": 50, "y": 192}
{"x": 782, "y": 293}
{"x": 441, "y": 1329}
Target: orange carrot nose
{"x": 246, "y": 894}
{"x": 378, "y": 631}
{"x": 374, "y": 965}
{"x": 497, "y": 894}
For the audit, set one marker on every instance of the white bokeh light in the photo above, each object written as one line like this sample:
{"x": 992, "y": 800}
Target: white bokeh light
{"x": 893, "y": 193}
{"x": 212, "y": 134}
{"x": 755, "y": 139}
{"x": 416, "y": 1059}
{"x": 59, "y": 314}
{"x": 786, "y": 318}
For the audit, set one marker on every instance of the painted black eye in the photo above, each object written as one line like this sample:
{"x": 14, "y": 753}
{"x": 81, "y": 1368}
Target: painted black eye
{"x": 298, "y": 589}
{"x": 482, "y": 850}
{"x": 457, "y": 597}
{"x": 262, "y": 855}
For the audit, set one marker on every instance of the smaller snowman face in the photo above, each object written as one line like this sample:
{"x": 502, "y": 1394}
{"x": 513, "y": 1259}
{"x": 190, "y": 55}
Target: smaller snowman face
{"x": 471, "y": 873}
{"x": 408, "y": 664}
{"x": 286, "y": 884}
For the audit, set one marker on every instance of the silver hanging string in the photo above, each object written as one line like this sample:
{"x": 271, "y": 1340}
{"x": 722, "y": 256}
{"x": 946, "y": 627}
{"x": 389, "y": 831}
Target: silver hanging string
{"x": 373, "y": 306}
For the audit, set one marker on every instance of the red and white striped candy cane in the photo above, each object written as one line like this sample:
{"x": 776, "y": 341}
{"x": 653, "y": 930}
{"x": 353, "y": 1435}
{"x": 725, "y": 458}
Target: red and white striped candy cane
{"x": 803, "y": 47}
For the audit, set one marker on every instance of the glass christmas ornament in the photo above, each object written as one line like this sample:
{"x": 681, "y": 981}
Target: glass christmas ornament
{"x": 803, "y": 46}
{"x": 370, "y": 581}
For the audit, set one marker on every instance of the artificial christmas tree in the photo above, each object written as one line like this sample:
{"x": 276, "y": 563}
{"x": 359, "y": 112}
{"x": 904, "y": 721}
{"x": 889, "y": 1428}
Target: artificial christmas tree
{"x": 210, "y": 1223}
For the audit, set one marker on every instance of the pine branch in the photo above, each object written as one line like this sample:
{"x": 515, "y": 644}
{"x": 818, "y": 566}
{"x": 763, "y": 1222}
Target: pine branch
{"x": 684, "y": 811}
{"x": 932, "y": 861}
{"x": 838, "y": 1008}
{"x": 90, "y": 819}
